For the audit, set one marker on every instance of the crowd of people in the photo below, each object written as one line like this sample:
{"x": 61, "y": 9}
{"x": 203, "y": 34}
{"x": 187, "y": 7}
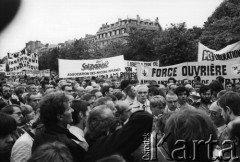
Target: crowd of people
{"x": 108, "y": 119}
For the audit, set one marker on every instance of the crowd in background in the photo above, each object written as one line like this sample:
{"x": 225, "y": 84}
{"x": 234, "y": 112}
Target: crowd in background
{"x": 106, "y": 119}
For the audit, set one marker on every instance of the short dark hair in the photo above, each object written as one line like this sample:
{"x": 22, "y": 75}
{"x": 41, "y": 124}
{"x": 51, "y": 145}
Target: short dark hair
{"x": 7, "y": 124}
{"x": 51, "y": 105}
{"x": 198, "y": 78}
{"x": 124, "y": 84}
{"x": 220, "y": 79}
{"x": 181, "y": 89}
{"x": 51, "y": 152}
{"x": 19, "y": 90}
{"x": 229, "y": 83}
{"x": 78, "y": 105}
{"x": 153, "y": 90}
{"x": 112, "y": 97}
{"x": 9, "y": 109}
{"x": 174, "y": 80}
{"x": 232, "y": 100}
{"x": 95, "y": 90}
{"x": 216, "y": 86}
{"x": 105, "y": 89}
{"x": 88, "y": 97}
{"x": 204, "y": 89}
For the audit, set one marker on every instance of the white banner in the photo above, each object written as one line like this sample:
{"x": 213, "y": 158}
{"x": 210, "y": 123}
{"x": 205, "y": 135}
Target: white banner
{"x": 38, "y": 73}
{"x": 208, "y": 71}
{"x": 231, "y": 52}
{"x": 2, "y": 67}
{"x": 85, "y": 68}
{"x": 131, "y": 68}
{"x": 23, "y": 60}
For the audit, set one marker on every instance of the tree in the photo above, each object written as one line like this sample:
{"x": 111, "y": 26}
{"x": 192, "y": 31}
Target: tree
{"x": 140, "y": 45}
{"x": 223, "y": 26}
{"x": 177, "y": 44}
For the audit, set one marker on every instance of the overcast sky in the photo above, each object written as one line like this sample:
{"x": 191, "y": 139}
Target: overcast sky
{"x": 56, "y": 21}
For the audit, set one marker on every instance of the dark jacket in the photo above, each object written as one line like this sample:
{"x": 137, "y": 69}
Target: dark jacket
{"x": 123, "y": 141}
{"x": 56, "y": 133}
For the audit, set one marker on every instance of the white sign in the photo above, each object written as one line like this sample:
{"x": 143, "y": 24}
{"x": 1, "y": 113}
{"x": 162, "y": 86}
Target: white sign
{"x": 208, "y": 71}
{"x": 23, "y": 60}
{"x": 85, "y": 68}
{"x": 231, "y": 52}
{"x": 131, "y": 68}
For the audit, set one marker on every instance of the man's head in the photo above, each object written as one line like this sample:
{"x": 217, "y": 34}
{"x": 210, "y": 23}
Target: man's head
{"x": 15, "y": 112}
{"x": 142, "y": 93}
{"x": 220, "y": 79}
{"x": 52, "y": 152}
{"x": 171, "y": 100}
{"x": 67, "y": 89}
{"x": 33, "y": 100}
{"x": 55, "y": 109}
{"x": 101, "y": 121}
{"x": 123, "y": 110}
{"x": 90, "y": 99}
{"x": 237, "y": 87}
{"x": 81, "y": 111}
{"x": 7, "y": 126}
{"x": 131, "y": 91}
{"x": 172, "y": 80}
{"x": 189, "y": 125}
{"x": 197, "y": 79}
{"x": 33, "y": 89}
{"x": 215, "y": 114}
{"x": 157, "y": 105}
{"x": 215, "y": 87}
{"x": 229, "y": 86}
{"x": 182, "y": 93}
{"x": 230, "y": 104}
{"x": 19, "y": 91}
{"x": 106, "y": 90}
{"x": 197, "y": 86}
{"x": 6, "y": 92}
{"x": 97, "y": 93}
{"x": 80, "y": 91}
{"x": 205, "y": 94}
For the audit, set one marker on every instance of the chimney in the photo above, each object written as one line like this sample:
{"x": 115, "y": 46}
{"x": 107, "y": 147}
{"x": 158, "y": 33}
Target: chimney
{"x": 138, "y": 18}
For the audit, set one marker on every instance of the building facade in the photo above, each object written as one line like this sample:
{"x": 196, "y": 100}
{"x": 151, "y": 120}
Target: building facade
{"x": 119, "y": 30}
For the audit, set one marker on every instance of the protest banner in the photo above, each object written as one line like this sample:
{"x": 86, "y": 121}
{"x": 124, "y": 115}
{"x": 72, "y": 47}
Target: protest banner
{"x": 23, "y": 60}
{"x": 31, "y": 73}
{"x": 131, "y": 68}
{"x": 229, "y": 53}
{"x": 208, "y": 71}
{"x": 2, "y": 67}
{"x": 85, "y": 68}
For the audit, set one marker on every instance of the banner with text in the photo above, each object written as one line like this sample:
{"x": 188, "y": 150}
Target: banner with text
{"x": 35, "y": 73}
{"x": 231, "y": 52}
{"x": 131, "y": 68}
{"x": 85, "y": 68}
{"x": 208, "y": 71}
{"x": 2, "y": 67}
{"x": 23, "y": 60}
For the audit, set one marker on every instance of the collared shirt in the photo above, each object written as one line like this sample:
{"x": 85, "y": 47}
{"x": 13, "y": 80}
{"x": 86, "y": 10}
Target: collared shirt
{"x": 139, "y": 106}
{"x": 167, "y": 110}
